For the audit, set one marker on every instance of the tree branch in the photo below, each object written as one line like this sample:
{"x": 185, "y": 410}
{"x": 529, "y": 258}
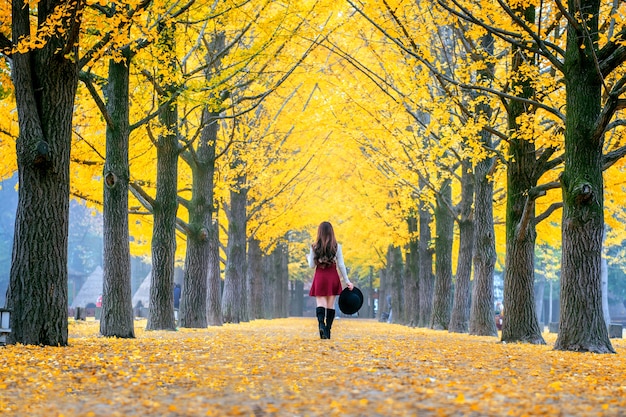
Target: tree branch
{"x": 553, "y": 207}
{"x": 612, "y": 157}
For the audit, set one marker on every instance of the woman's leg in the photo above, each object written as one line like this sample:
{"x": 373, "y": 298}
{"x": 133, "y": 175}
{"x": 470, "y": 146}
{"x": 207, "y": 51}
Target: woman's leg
{"x": 320, "y": 312}
{"x": 321, "y": 301}
{"x": 330, "y": 314}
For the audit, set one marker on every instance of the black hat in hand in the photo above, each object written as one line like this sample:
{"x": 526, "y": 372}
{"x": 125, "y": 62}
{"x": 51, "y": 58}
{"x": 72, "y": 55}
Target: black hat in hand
{"x": 350, "y": 301}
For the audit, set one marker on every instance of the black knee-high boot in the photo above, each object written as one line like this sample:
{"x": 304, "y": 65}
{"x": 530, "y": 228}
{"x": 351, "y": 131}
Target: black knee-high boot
{"x": 320, "y": 312}
{"x": 330, "y": 316}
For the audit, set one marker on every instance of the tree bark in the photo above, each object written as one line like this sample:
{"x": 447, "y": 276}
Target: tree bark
{"x": 411, "y": 287}
{"x": 214, "y": 278}
{"x": 482, "y": 320}
{"x": 442, "y": 301}
{"x": 281, "y": 271}
{"x": 459, "y": 319}
{"x": 384, "y": 306}
{"x": 581, "y": 325}
{"x": 166, "y": 203}
{"x": 520, "y": 322}
{"x": 198, "y": 308}
{"x": 45, "y": 81}
{"x": 255, "y": 278}
{"x": 269, "y": 286}
{"x": 426, "y": 277}
{"x": 234, "y": 298}
{"x": 193, "y": 312}
{"x": 117, "y": 318}
{"x": 395, "y": 281}
{"x": 296, "y": 302}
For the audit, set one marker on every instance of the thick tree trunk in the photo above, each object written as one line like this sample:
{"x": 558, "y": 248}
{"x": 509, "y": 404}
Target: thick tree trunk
{"x": 520, "y": 322}
{"x": 459, "y": 319}
{"x": 193, "y": 307}
{"x": 164, "y": 228}
{"x": 384, "y": 295}
{"x": 45, "y": 81}
{"x": 426, "y": 276}
{"x": 255, "y": 278}
{"x": 269, "y": 286}
{"x": 395, "y": 281}
{"x": 296, "y": 301}
{"x": 117, "y": 319}
{"x": 581, "y": 325}
{"x": 198, "y": 307}
{"x": 281, "y": 272}
{"x": 193, "y": 312}
{"x": 482, "y": 322}
{"x": 214, "y": 278}
{"x": 411, "y": 286}
{"x": 442, "y": 301}
{"x": 234, "y": 298}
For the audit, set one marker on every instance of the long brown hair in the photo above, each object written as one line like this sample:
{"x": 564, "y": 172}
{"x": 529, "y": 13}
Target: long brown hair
{"x": 325, "y": 247}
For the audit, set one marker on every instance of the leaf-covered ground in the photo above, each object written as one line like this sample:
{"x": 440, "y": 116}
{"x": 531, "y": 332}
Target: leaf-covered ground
{"x": 282, "y": 368}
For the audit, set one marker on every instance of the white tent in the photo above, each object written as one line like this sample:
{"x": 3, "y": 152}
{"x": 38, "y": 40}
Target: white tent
{"x": 143, "y": 292}
{"x": 90, "y": 291}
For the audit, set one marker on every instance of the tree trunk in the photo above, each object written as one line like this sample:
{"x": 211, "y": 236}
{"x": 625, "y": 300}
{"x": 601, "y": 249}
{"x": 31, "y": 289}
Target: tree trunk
{"x": 581, "y": 325}
{"x": 117, "y": 319}
{"x": 426, "y": 277}
{"x": 255, "y": 278}
{"x": 459, "y": 319}
{"x": 395, "y": 281}
{"x": 269, "y": 287}
{"x": 520, "y": 318}
{"x": 234, "y": 298}
{"x": 282, "y": 292}
{"x": 193, "y": 312}
{"x": 442, "y": 301}
{"x": 166, "y": 202}
{"x": 214, "y": 278}
{"x": 45, "y": 81}
{"x": 482, "y": 320}
{"x": 368, "y": 310}
{"x": 384, "y": 295}
{"x": 411, "y": 288}
{"x": 296, "y": 303}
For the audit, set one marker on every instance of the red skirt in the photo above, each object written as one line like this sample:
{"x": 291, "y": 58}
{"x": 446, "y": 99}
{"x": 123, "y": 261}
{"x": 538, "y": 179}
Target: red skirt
{"x": 326, "y": 282}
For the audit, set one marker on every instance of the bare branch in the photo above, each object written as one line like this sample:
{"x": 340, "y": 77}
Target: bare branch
{"x": 553, "y": 207}
{"x": 612, "y": 157}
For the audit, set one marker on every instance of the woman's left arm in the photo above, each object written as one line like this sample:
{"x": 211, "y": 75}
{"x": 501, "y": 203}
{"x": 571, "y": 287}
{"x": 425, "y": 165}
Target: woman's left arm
{"x": 311, "y": 258}
{"x": 342, "y": 268}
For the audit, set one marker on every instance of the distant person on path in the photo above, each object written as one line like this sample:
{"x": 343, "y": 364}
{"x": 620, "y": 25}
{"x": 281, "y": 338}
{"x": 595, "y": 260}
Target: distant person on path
{"x": 327, "y": 259}
{"x": 499, "y": 315}
{"x": 176, "y": 296}
{"x": 389, "y": 317}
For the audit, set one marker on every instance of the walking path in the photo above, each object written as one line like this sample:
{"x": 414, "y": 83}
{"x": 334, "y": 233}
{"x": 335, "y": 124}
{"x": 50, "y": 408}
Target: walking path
{"x": 281, "y": 368}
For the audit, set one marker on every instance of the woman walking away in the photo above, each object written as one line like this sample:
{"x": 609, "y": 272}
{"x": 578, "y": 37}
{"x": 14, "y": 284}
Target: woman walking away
{"x": 326, "y": 257}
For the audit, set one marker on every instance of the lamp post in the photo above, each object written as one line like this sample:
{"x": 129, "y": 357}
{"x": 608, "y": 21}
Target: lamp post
{"x": 5, "y": 326}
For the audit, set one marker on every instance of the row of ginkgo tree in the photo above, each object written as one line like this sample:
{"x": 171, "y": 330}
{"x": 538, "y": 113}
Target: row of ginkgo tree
{"x": 486, "y": 66}
{"x": 138, "y": 56}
